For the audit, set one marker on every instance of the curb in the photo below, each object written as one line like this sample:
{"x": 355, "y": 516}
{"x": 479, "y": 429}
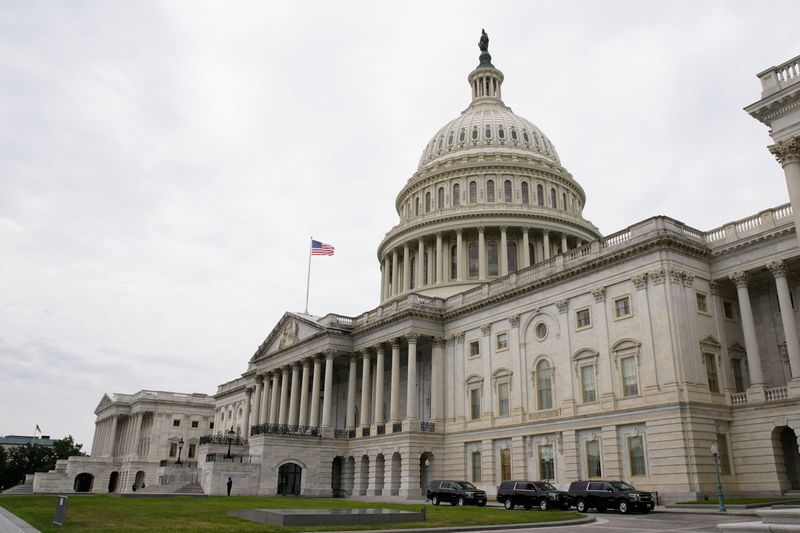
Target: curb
{"x": 11, "y": 523}
{"x": 487, "y": 527}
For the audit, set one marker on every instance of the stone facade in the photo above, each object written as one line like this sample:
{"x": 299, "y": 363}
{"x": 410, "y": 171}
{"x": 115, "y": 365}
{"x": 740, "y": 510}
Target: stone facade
{"x": 512, "y": 340}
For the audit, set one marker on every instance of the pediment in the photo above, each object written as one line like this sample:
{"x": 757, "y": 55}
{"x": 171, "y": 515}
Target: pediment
{"x": 291, "y": 329}
{"x": 105, "y": 401}
{"x": 710, "y": 341}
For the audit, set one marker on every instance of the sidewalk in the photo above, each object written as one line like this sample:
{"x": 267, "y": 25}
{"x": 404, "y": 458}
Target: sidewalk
{"x": 11, "y": 523}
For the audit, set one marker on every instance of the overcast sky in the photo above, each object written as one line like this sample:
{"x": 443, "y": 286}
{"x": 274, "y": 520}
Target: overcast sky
{"x": 163, "y": 164}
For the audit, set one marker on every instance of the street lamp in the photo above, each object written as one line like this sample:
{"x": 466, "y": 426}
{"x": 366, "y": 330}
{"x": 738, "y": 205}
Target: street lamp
{"x": 231, "y": 435}
{"x": 720, "y": 495}
{"x": 180, "y": 448}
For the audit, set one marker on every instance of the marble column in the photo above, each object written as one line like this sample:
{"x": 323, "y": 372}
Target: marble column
{"x": 526, "y": 249}
{"x": 273, "y": 403}
{"x": 420, "y": 281}
{"x": 112, "y": 436}
{"x": 482, "y": 263}
{"x": 387, "y": 288}
{"x": 564, "y": 243}
{"x": 787, "y": 152}
{"x": 137, "y": 431}
{"x": 749, "y": 328}
{"x": 778, "y": 270}
{"x": 459, "y": 255}
{"x": 503, "y": 251}
{"x": 294, "y": 399}
{"x": 314, "y": 422}
{"x": 394, "y": 406}
{"x": 284, "y": 406}
{"x": 259, "y": 392}
{"x": 248, "y": 399}
{"x": 365, "y": 393}
{"x": 303, "y": 419}
{"x": 377, "y": 413}
{"x": 327, "y": 395}
{"x": 264, "y": 398}
{"x": 437, "y": 380}
{"x": 411, "y": 390}
{"x": 383, "y": 280}
{"x": 546, "y": 238}
{"x": 439, "y": 259}
{"x": 351, "y": 393}
{"x": 406, "y": 268}
{"x": 395, "y": 277}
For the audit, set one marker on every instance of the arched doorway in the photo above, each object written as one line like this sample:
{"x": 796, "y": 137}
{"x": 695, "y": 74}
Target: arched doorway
{"x": 112, "y": 481}
{"x": 289, "y": 477}
{"x": 336, "y": 477}
{"x": 791, "y": 456}
{"x": 83, "y": 482}
{"x": 139, "y": 480}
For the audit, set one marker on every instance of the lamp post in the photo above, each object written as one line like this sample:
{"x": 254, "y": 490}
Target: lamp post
{"x": 720, "y": 495}
{"x": 180, "y": 448}
{"x": 231, "y": 434}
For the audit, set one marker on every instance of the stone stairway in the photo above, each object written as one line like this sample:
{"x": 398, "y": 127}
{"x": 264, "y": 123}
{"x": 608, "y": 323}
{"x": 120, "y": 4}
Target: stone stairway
{"x": 189, "y": 489}
{"x": 19, "y": 489}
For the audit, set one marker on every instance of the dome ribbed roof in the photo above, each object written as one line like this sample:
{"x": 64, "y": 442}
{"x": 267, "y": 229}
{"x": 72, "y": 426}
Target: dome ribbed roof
{"x": 488, "y": 126}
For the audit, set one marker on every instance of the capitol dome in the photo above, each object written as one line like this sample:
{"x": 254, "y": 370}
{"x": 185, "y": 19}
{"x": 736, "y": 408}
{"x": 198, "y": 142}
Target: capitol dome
{"x": 489, "y": 199}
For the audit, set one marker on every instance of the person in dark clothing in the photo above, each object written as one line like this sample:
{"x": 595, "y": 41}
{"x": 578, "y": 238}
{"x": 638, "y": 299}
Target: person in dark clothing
{"x": 229, "y": 484}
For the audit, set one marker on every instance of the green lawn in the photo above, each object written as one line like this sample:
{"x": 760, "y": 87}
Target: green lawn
{"x": 106, "y": 513}
{"x": 736, "y": 501}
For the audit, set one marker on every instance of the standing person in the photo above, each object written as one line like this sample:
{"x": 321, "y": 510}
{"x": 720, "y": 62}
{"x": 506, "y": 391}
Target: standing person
{"x": 229, "y": 484}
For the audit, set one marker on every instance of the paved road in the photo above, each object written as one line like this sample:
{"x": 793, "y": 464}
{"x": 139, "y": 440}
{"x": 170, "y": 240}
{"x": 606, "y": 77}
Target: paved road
{"x": 650, "y": 523}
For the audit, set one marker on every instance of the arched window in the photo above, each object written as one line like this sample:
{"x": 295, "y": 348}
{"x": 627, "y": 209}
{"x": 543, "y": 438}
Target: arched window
{"x": 492, "y": 249}
{"x": 453, "y": 262}
{"x": 462, "y": 136}
{"x": 525, "y": 137}
{"x": 416, "y": 206}
{"x": 564, "y": 201}
{"x": 475, "y": 133}
{"x": 456, "y": 195}
{"x": 490, "y": 191}
{"x": 428, "y": 202}
{"x": 473, "y": 260}
{"x": 553, "y": 198}
{"x": 413, "y": 260}
{"x": 544, "y": 385}
{"x": 425, "y": 268}
{"x": 513, "y": 134}
{"x": 512, "y": 257}
{"x": 501, "y": 133}
{"x": 540, "y": 195}
{"x": 487, "y": 133}
{"x": 440, "y": 198}
{"x": 450, "y": 139}
{"x": 507, "y": 192}
{"x": 526, "y": 199}
{"x": 473, "y": 192}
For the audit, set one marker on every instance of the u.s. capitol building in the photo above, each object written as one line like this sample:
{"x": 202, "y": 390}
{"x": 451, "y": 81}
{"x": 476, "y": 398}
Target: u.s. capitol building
{"x": 512, "y": 340}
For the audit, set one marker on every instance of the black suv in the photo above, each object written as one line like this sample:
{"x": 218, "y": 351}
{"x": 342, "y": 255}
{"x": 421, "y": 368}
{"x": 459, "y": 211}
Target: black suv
{"x": 531, "y": 493}
{"x": 604, "y": 495}
{"x": 455, "y": 492}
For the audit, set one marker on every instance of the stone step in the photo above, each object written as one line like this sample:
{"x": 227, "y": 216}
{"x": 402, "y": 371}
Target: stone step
{"x": 19, "y": 489}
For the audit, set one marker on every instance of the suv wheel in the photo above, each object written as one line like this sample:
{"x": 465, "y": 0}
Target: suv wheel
{"x": 460, "y": 502}
{"x": 435, "y": 500}
{"x": 543, "y": 505}
{"x": 622, "y": 507}
{"x": 508, "y": 505}
{"x": 581, "y": 506}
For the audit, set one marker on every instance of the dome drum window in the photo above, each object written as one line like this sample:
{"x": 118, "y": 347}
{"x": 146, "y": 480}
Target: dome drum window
{"x": 525, "y": 137}
{"x": 487, "y": 133}
{"x": 474, "y": 134}
{"x": 513, "y": 134}
{"x": 462, "y": 136}
{"x": 501, "y": 133}
{"x": 450, "y": 139}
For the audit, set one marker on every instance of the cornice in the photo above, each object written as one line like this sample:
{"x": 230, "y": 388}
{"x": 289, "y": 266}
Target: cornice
{"x": 775, "y": 105}
{"x": 759, "y": 241}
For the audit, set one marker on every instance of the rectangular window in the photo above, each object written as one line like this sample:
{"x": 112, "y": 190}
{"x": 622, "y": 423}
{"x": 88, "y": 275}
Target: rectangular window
{"x": 738, "y": 375}
{"x": 502, "y": 399}
{"x": 727, "y": 309}
{"x": 588, "y": 392}
{"x": 505, "y": 464}
{"x": 636, "y": 455}
{"x": 211, "y": 425}
{"x": 195, "y": 423}
{"x": 192, "y": 450}
{"x": 583, "y": 318}
{"x": 622, "y": 307}
{"x": 474, "y": 348}
{"x": 593, "y": 459}
{"x": 547, "y": 466}
{"x": 475, "y": 404}
{"x": 176, "y": 423}
{"x": 702, "y": 302}
{"x": 173, "y": 449}
{"x": 502, "y": 341}
{"x": 630, "y": 385}
{"x": 724, "y": 459}
{"x": 711, "y": 372}
{"x": 476, "y": 466}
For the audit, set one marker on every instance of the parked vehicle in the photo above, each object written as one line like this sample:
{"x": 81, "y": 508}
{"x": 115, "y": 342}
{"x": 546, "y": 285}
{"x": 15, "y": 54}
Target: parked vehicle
{"x": 531, "y": 494}
{"x": 455, "y": 492}
{"x": 602, "y": 495}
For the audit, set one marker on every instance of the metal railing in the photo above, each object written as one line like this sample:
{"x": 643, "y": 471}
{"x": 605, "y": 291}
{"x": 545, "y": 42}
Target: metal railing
{"x": 427, "y": 427}
{"x": 222, "y": 439}
{"x": 174, "y": 463}
{"x": 397, "y": 427}
{"x": 283, "y": 429}
{"x": 381, "y": 430}
{"x": 225, "y": 458}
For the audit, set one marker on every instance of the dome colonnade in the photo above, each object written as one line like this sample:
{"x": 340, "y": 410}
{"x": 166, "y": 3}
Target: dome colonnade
{"x": 489, "y": 197}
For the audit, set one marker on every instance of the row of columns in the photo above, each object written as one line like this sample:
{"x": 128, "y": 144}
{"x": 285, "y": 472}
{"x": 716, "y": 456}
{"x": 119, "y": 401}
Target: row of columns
{"x": 394, "y": 281}
{"x": 741, "y": 279}
{"x": 277, "y": 399}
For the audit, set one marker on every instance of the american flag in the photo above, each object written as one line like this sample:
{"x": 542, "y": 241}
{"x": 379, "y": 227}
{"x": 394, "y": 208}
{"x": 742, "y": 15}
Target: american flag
{"x": 320, "y": 248}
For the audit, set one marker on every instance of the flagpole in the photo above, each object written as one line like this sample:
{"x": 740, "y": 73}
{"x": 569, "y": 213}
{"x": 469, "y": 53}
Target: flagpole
{"x": 308, "y": 281}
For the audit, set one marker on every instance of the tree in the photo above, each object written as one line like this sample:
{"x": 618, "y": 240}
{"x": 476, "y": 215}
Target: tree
{"x": 32, "y": 458}
{"x": 66, "y": 448}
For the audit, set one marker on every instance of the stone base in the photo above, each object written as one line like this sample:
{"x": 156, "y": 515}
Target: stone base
{"x": 793, "y": 388}
{"x": 756, "y": 394}
{"x": 324, "y": 517}
{"x": 772, "y": 520}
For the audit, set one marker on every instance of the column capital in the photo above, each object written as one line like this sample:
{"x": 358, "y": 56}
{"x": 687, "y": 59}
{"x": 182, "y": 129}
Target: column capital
{"x": 405, "y": 247}
{"x": 777, "y": 268}
{"x": 318, "y": 357}
{"x": 481, "y": 229}
{"x": 378, "y": 347}
{"x": 714, "y": 287}
{"x": 286, "y": 368}
{"x": 364, "y": 354}
{"x": 514, "y": 320}
{"x": 460, "y": 231}
{"x": 787, "y": 151}
{"x": 486, "y": 329}
{"x": 396, "y": 343}
{"x": 503, "y": 228}
{"x": 640, "y": 281}
{"x": 329, "y": 354}
{"x": 259, "y": 378}
{"x": 438, "y": 342}
{"x": 307, "y": 361}
{"x": 412, "y": 337}
{"x": 599, "y": 294}
{"x": 562, "y": 305}
{"x": 353, "y": 356}
{"x": 740, "y": 279}
{"x": 460, "y": 337}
